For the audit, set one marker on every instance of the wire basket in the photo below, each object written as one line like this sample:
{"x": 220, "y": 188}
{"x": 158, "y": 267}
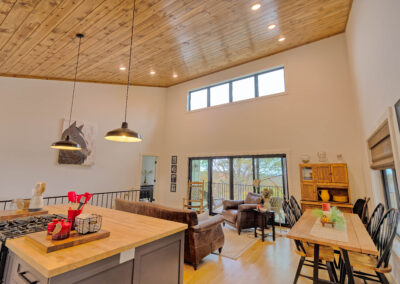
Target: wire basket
{"x": 88, "y": 223}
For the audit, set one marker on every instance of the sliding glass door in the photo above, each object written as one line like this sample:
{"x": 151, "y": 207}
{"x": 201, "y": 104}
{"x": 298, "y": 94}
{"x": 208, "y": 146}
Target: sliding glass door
{"x": 232, "y": 177}
{"x": 199, "y": 172}
{"x": 270, "y": 173}
{"x": 243, "y": 177}
{"x": 220, "y": 183}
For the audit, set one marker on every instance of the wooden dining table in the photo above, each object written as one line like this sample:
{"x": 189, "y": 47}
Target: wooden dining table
{"x": 353, "y": 237}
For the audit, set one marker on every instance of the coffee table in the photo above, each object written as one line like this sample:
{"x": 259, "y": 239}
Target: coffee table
{"x": 262, "y": 220}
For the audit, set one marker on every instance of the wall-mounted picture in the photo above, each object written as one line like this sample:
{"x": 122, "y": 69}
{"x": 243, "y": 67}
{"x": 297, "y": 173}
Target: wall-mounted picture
{"x": 82, "y": 133}
{"x": 173, "y": 169}
{"x": 397, "y": 108}
{"x": 173, "y": 178}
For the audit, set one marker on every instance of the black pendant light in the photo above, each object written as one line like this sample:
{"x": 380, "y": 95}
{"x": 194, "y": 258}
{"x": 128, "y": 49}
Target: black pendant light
{"x": 124, "y": 134}
{"x": 67, "y": 143}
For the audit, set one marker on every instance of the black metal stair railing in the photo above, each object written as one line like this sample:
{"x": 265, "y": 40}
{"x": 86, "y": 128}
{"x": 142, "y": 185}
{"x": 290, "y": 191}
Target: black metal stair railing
{"x": 102, "y": 199}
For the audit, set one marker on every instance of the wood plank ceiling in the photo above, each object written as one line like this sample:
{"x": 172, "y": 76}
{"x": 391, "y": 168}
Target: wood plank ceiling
{"x": 189, "y": 38}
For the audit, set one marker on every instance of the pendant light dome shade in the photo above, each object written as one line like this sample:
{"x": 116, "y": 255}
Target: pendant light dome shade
{"x": 123, "y": 134}
{"x": 66, "y": 144}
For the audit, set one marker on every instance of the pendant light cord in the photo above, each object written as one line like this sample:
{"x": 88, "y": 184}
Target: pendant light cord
{"x": 76, "y": 73}
{"x": 130, "y": 60}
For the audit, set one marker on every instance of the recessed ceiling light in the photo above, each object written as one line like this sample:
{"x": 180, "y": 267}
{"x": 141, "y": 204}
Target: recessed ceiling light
{"x": 271, "y": 27}
{"x": 122, "y": 68}
{"x": 255, "y": 6}
{"x": 175, "y": 75}
{"x": 152, "y": 72}
{"x": 282, "y": 39}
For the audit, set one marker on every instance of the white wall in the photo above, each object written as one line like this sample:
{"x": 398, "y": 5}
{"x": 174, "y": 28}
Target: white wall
{"x": 373, "y": 40}
{"x": 30, "y": 120}
{"x": 317, "y": 114}
{"x": 373, "y": 49}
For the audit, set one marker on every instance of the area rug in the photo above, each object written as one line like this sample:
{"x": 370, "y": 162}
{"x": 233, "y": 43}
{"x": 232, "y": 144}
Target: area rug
{"x": 235, "y": 244}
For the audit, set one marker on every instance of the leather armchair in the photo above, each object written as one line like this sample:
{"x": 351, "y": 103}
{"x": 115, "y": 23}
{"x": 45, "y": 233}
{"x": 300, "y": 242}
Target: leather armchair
{"x": 201, "y": 237}
{"x": 239, "y": 213}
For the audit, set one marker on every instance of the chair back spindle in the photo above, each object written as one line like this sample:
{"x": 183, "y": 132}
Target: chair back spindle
{"x": 364, "y": 212}
{"x": 359, "y": 206}
{"x": 292, "y": 221}
{"x": 376, "y": 217}
{"x": 295, "y": 207}
{"x": 290, "y": 216}
{"x": 385, "y": 236}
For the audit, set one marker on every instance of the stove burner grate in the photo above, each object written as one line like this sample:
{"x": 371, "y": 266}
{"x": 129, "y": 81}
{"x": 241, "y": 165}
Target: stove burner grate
{"x": 22, "y": 226}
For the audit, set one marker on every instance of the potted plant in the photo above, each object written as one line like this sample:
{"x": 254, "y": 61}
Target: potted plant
{"x": 266, "y": 194}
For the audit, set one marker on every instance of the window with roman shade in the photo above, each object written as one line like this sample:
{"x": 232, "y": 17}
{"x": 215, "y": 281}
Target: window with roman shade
{"x": 381, "y": 149}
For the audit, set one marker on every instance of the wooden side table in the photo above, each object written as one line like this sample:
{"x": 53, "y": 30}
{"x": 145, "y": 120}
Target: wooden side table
{"x": 262, "y": 220}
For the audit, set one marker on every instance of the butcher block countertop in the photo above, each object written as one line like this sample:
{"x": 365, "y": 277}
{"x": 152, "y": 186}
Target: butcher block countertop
{"x": 127, "y": 231}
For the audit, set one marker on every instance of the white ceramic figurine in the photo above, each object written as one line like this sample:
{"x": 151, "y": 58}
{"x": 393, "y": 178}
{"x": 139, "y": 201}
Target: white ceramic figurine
{"x": 37, "y": 197}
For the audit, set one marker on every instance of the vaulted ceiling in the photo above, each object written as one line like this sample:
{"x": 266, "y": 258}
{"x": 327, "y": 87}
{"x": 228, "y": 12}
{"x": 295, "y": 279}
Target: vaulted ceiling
{"x": 189, "y": 38}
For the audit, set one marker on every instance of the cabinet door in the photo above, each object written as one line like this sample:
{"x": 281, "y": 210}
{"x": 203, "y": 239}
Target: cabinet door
{"x": 21, "y": 273}
{"x": 323, "y": 173}
{"x": 308, "y": 192}
{"x": 160, "y": 261}
{"x": 306, "y": 174}
{"x": 339, "y": 174}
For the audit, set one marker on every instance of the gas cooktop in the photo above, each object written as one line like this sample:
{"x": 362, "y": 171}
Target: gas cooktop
{"x": 22, "y": 226}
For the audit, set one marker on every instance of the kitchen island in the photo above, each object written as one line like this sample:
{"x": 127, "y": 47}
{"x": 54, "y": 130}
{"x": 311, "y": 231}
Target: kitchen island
{"x": 139, "y": 250}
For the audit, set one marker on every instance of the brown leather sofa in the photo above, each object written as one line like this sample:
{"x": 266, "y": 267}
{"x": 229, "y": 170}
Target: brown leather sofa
{"x": 239, "y": 213}
{"x": 201, "y": 238}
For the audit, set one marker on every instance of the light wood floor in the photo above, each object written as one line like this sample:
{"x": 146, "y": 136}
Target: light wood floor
{"x": 266, "y": 262}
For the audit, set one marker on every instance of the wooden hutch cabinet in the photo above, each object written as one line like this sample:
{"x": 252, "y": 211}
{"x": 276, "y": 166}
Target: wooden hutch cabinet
{"x": 331, "y": 177}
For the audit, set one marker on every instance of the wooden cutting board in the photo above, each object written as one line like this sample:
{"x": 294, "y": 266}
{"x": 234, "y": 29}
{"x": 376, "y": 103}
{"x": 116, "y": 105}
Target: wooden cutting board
{"x": 45, "y": 243}
{"x": 12, "y": 214}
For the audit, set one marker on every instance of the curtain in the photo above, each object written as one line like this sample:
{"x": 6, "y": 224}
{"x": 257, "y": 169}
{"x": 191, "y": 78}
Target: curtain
{"x": 381, "y": 149}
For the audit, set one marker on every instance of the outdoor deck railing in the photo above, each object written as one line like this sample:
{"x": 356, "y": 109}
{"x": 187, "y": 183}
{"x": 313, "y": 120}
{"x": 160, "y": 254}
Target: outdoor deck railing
{"x": 221, "y": 191}
{"x": 102, "y": 199}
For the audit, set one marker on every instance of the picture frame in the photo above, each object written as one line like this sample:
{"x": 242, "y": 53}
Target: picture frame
{"x": 84, "y": 134}
{"x": 173, "y": 169}
{"x": 174, "y": 160}
{"x": 173, "y": 178}
{"x": 173, "y": 187}
{"x": 397, "y": 109}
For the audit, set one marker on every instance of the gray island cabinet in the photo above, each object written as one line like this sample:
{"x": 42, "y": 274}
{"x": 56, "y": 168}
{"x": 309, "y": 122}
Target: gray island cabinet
{"x": 140, "y": 250}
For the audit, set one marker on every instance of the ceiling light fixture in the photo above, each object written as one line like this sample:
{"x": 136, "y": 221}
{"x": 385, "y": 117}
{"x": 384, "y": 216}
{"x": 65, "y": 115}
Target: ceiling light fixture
{"x": 255, "y": 6}
{"x": 122, "y": 68}
{"x": 124, "y": 134}
{"x": 66, "y": 143}
{"x": 272, "y": 26}
{"x": 175, "y": 75}
{"x": 152, "y": 72}
{"x": 281, "y": 39}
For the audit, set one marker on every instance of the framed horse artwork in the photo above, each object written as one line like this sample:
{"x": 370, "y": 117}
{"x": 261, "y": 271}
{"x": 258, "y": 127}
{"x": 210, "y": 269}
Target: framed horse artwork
{"x": 82, "y": 133}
